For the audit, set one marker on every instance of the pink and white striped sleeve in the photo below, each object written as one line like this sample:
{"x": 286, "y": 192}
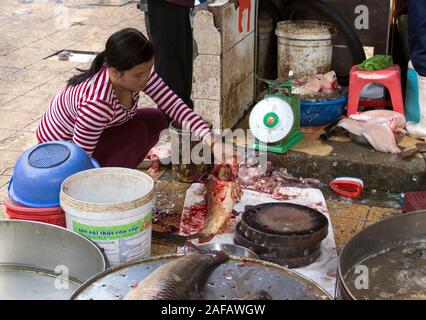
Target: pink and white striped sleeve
{"x": 92, "y": 119}
{"x": 174, "y": 107}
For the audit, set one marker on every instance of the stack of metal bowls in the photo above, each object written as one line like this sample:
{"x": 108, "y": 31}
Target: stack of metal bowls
{"x": 284, "y": 233}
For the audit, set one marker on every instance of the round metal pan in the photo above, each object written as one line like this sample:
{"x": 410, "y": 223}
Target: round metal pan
{"x": 236, "y": 279}
{"x": 377, "y": 239}
{"x": 308, "y": 238}
{"x": 40, "y": 261}
{"x": 230, "y": 249}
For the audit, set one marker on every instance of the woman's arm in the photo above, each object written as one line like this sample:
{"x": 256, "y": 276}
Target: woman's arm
{"x": 174, "y": 107}
{"x": 92, "y": 119}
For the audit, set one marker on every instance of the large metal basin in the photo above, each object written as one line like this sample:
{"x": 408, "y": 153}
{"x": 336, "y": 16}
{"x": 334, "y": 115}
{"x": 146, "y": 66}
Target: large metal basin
{"x": 237, "y": 279}
{"x": 383, "y": 241}
{"x": 40, "y": 261}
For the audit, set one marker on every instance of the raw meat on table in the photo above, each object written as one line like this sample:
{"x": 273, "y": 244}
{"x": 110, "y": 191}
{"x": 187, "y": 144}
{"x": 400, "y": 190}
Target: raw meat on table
{"x": 271, "y": 181}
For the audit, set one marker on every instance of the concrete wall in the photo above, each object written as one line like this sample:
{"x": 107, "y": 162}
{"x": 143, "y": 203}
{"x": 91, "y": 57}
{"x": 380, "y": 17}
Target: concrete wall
{"x": 224, "y": 68}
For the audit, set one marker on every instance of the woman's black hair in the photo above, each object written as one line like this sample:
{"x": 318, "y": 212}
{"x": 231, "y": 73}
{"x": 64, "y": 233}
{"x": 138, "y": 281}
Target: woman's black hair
{"x": 123, "y": 50}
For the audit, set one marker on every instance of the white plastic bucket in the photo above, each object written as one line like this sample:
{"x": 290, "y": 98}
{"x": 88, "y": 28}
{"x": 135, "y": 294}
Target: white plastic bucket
{"x": 304, "y": 47}
{"x": 113, "y": 208}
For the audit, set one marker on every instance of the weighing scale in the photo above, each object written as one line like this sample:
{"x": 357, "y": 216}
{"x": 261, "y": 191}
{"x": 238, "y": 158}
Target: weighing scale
{"x": 275, "y": 120}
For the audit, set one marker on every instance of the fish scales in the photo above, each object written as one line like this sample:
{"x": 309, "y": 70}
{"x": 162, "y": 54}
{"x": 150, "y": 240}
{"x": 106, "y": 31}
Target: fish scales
{"x": 176, "y": 280}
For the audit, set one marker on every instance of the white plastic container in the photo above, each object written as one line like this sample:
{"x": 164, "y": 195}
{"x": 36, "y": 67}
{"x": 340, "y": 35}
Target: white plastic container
{"x": 304, "y": 47}
{"x": 113, "y": 208}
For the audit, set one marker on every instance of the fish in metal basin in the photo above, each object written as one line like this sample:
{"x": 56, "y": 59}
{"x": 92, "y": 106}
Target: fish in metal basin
{"x": 180, "y": 279}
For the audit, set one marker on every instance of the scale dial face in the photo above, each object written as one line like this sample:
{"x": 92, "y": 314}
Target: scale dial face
{"x": 271, "y": 120}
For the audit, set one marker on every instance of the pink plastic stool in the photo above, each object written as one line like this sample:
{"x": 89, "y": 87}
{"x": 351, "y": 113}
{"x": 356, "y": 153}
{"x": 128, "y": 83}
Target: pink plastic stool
{"x": 389, "y": 77}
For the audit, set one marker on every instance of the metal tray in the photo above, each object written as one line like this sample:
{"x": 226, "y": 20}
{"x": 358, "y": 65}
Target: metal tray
{"x": 39, "y": 261}
{"x": 231, "y": 249}
{"x": 237, "y": 279}
{"x": 377, "y": 240}
{"x": 23, "y": 282}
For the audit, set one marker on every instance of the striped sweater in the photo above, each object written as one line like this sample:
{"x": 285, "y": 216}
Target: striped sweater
{"x": 81, "y": 113}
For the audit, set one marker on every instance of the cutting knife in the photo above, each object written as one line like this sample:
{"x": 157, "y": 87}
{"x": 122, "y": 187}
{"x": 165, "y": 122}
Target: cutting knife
{"x": 170, "y": 239}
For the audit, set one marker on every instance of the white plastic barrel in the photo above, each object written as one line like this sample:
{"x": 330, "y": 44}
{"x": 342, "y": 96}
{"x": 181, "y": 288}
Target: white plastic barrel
{"x": 304, "y": 47}
{"x": 113, "y": 208}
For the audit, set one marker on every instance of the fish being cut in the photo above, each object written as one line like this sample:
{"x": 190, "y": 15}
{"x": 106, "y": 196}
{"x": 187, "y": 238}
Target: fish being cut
{"x": 379, "y": 127}
{"x": 222, "y": 192}
{"x": 180, "y": 279}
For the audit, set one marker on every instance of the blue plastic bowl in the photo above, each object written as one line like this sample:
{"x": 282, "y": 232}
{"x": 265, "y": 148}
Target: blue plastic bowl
{"x": 315, "y": 114}
{"x": 40, "y": 171}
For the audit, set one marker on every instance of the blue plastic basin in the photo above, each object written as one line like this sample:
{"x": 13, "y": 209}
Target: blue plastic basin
{"x": 40, "y": 171}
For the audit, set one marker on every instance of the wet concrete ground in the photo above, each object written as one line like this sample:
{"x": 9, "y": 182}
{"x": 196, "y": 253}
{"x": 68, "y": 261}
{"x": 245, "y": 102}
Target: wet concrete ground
{"x": 348, "y": 216}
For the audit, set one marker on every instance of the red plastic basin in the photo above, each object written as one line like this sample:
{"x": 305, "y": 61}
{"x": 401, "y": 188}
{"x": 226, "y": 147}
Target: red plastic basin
{"x": 53, "y": 215}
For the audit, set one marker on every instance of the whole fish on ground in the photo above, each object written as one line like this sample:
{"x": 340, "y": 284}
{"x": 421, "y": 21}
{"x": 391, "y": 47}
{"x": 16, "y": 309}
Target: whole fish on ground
{"x": 379, "y": 127}
{"x": 180, "y": 279}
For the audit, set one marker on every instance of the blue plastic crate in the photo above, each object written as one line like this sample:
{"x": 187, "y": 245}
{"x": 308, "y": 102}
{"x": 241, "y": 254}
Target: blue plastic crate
{"x": 315, "y": 114}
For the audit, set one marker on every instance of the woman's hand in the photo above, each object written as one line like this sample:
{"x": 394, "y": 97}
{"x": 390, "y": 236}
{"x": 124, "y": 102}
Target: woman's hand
{"x": 223, "y": 152}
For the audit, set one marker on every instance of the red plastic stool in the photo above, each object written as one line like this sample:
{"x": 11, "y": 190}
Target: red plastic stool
{"x": 389, "y": 77}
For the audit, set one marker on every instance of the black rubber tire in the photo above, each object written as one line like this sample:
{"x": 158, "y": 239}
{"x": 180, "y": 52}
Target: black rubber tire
{"x": 294, "y": 7}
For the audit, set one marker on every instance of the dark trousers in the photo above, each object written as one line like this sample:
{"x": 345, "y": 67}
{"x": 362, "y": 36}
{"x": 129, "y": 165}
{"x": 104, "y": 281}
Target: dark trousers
{"x": 171, "y": 34}
{"x": 127, "y": 145}
{"x": 417, "y": 34}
